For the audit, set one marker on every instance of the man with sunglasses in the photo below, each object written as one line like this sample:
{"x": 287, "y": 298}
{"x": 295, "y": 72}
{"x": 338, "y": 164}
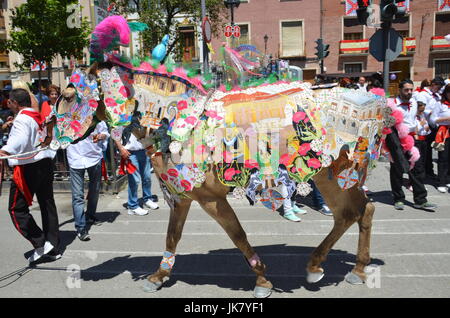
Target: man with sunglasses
{"x": 32, "y": 175}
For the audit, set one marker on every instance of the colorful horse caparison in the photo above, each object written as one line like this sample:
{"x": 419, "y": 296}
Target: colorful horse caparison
{"x": 265, "y": 141}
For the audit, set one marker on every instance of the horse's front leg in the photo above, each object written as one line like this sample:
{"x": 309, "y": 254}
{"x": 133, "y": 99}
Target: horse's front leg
{"x": 223, "y": 213}
{"x": 176, "y": 223}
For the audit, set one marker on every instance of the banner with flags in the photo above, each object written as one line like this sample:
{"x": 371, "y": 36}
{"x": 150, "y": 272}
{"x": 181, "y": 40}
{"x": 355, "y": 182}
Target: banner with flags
{"x": 35, "y": 66}
{"x": 443, "y": 5}
{"x": 350, "y": 8}
{"x": 404, "y": 4}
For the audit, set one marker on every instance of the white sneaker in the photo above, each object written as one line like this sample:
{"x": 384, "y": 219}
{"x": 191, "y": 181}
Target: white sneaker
{"x": 442, "y": 189}
{"x": 151, "y": 205}
{"x": 38, "y": 253}
{"x": 48, "y": 247}
{"x": 137, "y": 211}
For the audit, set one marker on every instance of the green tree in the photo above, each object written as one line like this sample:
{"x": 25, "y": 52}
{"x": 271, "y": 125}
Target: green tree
{"x": 161, "y": 18}
{"x": 42, "y": 30}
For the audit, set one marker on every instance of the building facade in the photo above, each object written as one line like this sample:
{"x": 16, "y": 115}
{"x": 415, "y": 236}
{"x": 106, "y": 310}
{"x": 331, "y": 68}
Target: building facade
{"x": 426, "y": 53}
{"x": 292, "y": 26}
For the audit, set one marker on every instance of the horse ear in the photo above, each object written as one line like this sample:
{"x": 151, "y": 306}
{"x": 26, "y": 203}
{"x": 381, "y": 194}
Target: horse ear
{"x": 342, "y": 162}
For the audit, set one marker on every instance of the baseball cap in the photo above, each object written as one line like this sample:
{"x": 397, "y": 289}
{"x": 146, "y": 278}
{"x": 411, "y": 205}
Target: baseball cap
{"x": 7, "y": 88}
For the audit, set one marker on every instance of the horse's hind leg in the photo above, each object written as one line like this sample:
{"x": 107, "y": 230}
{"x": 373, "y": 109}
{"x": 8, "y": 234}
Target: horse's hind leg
{"x": 174, "y": 230}
{"x": 358, "y": 276}
{"x": 314, "y": 271}
{"x": 223, "y": 213}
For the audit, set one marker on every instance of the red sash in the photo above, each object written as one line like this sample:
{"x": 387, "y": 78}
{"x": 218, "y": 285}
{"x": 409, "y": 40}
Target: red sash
{"x": 126, "y": 164}
{"x": 19, "y": 180}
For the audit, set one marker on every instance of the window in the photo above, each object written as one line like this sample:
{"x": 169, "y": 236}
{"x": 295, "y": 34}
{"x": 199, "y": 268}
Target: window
{"x": 401, "y": 25}
{"x": 292, "y": 39}
{"x": 442, "y": 24}
{"x": 442, "y": 68}
{"x": 162, "y": 84}
{"x": 352, "y": 29}
{"x": 353, "y": 67}
{"x": 173, "y": 87}
{"x": 244, "y": 38}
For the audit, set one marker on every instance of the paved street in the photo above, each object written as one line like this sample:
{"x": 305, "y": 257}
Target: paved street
{"x": 411, "y": 248}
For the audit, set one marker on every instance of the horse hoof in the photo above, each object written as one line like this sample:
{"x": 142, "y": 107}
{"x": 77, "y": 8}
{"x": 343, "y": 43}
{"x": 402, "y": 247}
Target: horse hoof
{"x": 313, "y": 278}
{"x": 262, "y": 292}
{"x": 150, "y": 287}
{"x": 353, "y": 279}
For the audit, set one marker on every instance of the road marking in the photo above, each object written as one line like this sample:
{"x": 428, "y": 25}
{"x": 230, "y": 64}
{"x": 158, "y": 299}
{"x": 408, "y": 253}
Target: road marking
{"x": 49, "y": 269}
{"x": 273, "y": 221}
{"x": 272, "y": 234}
{"x": 260, "y": 254}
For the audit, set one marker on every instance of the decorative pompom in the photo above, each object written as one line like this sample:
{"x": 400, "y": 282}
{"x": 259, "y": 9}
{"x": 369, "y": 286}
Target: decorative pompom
{"x": 326, "y": 160}
{"x": 391, "y": 103}
{"x": 175, "y": 147}
{"x": 398, "y": 115}
{"x": 239, "y": 193}
{"x": 402, "y": 130}
{"x": 200, "y": 177}
{"x": 304, "y": 189}
{"x": 415, "y": 154}
{"x": 407, "y": 143}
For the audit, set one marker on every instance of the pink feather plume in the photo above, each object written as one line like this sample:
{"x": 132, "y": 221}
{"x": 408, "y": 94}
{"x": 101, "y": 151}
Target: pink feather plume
{"x": 109, "y": 28}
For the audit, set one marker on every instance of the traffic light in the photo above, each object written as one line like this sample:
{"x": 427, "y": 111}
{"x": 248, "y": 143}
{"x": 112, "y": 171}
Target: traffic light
{"x": 390, "y": 10}
{"x": 322, "y": 49}
{"x": 362, "y": 12}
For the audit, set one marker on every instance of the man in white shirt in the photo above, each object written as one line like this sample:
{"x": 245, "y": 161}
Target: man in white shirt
{"x": 87, "y": 155}
{"x": 362, "y": 85}
{"x": 32, "y": 175}
{"x": 134, "y": 153}
{"x": 408, "y": 106}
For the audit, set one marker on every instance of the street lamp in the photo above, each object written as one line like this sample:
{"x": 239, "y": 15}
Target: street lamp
{"x": 266, "y": 38}
{"x": 231, "y": 4}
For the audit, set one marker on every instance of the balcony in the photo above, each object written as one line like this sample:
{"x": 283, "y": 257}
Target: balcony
{"x": 439, "y": 43}
{"x": 352, "y": 47}
{"x": 409, "y": 46}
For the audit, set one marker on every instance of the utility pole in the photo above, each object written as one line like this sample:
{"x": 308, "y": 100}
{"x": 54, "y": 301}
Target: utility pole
{"x": 205, "y": 47}
{"x": 321, "y": 33}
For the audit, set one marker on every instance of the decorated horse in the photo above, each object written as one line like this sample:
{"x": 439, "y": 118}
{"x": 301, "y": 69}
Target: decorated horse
{"x": 265, "y": 139}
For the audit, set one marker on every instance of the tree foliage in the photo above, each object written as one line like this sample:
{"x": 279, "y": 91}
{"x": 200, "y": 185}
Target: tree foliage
{"x": 40, "y": 32}
{"x": 163, "y": 17}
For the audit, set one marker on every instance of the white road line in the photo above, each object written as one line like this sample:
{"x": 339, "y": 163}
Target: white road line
{"x": 240, "y": 255}
{"x": 275, "y": 221}
{"x": 174, "y": 273}
{"x": 271, "y": 234}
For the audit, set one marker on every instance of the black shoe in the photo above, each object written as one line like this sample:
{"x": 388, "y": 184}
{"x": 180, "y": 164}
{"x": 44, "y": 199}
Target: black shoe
{"x": 94, "y": 221}
{"x": 83, "y": 236}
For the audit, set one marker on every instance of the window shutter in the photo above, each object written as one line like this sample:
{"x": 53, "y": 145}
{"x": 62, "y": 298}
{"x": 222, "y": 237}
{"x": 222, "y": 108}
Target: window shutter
{"x": 292, "y": 39}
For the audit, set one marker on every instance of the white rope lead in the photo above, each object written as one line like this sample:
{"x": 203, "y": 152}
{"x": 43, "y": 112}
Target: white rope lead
{"x": 20, "y": 155}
